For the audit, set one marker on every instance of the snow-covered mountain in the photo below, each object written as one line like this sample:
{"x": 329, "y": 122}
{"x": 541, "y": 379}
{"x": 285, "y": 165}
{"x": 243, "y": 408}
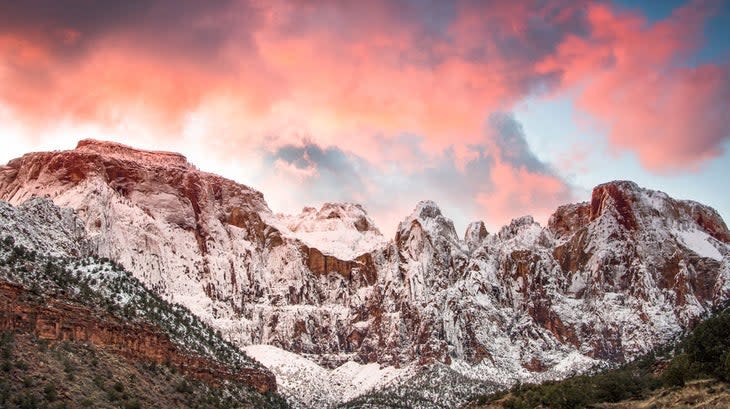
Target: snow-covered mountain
{"x": 604, "y": 282}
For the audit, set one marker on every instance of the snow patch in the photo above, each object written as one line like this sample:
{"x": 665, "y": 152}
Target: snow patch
{"x": 699, "y": 242}
{"x": 309, "y": 385}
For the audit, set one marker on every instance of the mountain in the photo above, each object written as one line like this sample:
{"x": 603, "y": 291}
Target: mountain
{"x": 53, "y": 290}
{"x": 604, "y": 282}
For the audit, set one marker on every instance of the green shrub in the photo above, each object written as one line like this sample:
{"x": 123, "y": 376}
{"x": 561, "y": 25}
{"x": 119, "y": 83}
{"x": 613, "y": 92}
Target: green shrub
{"x": 132, "y": 404}
{"x": 27, "y": 400}
{"x": 50, "y": 393}
{"x": 708, "y": 345}
{"x": 184, "y": 387}
{"x": 113, "y": 395}
{"x": 119, "y": 387}
{"x": 678, "y": 371}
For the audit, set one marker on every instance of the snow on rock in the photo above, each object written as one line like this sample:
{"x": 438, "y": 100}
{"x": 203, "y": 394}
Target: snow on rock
{"x": 699, "y": 242}
{"x": 475, "y": 233}
{"x": 342, "y": 230}
{"x": 427, "y": 215}
{"x": 39, "y": 225}
{"x": 522, "y": 232}
{"x": 308, "y": 385}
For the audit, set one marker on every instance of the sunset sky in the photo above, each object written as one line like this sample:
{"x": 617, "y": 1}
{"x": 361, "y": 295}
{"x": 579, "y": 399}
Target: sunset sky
{"x": 493, "y": 109}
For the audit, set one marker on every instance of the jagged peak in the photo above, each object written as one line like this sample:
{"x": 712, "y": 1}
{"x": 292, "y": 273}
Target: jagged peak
{"x": 634, "y": 208}
{"x": 428, "y": 216}
{"x": 475, "y": 233}
{"x": 518, "y": 225}
{"x": 426, "y": 209}
{"x": 617, "y": 198}
{"x": 630, "y": 191}
{"x": 342, "y": 207}
{"x": 526, "y": 220}
{"x": 331, "y": 216}
{"x": 476, "y": 226}
{"x": 342, "y": 230}
{"x": 121, "y": 151}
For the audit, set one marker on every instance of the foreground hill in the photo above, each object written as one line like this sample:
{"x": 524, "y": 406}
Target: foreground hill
{"x": 700, "y": 394}
{"x": 604, "y": 282}
{"x": 37, "y": 373}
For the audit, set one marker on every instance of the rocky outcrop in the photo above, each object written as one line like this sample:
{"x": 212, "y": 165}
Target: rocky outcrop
{"x": 361, "y": 268}
{"x": 475, "y": 233}
{"x": 569, "y": 218}
{"x": 613, "y": 197}
{"x": 58, "y": 320}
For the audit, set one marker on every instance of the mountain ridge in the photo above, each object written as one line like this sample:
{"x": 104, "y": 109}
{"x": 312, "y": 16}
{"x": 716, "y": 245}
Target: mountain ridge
{"x": 603, "y": 282}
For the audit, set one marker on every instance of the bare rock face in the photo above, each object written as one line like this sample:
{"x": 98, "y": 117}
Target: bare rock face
{"x": 569, "y": 218}
{"x": 606, "y": 280}
{"x": 475, "y": 233}
{"x": 615, "y": 198}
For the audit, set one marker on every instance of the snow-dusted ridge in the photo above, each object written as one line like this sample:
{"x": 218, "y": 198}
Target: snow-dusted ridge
{"x": 341, "y": 230}
{"x": 604, "y": 282}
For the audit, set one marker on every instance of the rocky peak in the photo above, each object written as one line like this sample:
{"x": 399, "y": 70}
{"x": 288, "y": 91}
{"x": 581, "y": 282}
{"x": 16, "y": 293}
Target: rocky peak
{"x": 427, "y": 209}
{"x": 617, "y": 199}
{"x": 130, "y": 172}
{"x": 650, "y": 211}
{"x": 342, "y": 230}
{"x": 427, "y": 217}
{"x": 331, "y": 217}
{"x": 516, "y": 227}
{"x": 708, "y": 219}
{"x": 475, "y": 233}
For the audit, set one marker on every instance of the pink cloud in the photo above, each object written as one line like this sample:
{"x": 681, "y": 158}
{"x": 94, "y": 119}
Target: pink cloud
{"x": 378, "y": 80}
{"x": 631, "y": 78}
{"x": 342, "y": 72}
{"x": 516, "y": 192}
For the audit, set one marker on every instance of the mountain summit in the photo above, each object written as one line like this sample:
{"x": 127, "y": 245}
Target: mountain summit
{"x": 605, "y": 281}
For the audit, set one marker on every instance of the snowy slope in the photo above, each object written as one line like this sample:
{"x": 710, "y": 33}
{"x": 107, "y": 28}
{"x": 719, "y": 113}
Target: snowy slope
{"x": 700, "y": 242}
{"x": 308, "y": 385}
{"x": 39, "y": 225}
{"x": 35, "y": 252}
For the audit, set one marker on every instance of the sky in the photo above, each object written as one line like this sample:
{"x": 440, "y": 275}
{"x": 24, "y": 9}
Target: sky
{"x": 492, "y": 109}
